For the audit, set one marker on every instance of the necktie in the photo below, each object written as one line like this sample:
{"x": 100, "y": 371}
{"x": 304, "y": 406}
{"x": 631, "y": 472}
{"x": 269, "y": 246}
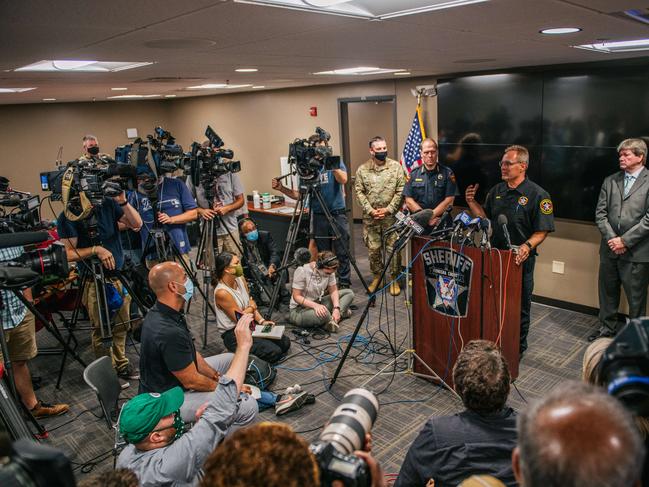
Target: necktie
{"x": 628, "y": 182}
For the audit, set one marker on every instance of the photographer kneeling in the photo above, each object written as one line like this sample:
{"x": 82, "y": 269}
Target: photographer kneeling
{"x": 159, "y": 451}
{"x": 230, "y": 296}
{"x": 309, "y": 306}
{"x": 75, "y": 232}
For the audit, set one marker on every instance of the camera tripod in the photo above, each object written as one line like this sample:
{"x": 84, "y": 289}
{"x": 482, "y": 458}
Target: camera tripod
{"x": 311, "y": 192}
{"x": 402, "y": 239}
{"x": 54, "y": 331}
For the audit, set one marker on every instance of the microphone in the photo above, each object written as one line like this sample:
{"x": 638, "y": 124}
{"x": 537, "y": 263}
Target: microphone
{"x": 474, "y": 226}
{"x": 502, "y": 221}
{"x": 462, "y": 219}
{"x": 22, "y": 238}
{"x": 401, "y": 217}
{"x": 11, "y": 200}
{"x": 485, "y": 226}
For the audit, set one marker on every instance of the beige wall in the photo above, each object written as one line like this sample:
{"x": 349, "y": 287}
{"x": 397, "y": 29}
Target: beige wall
{"x": 258, "y": 126}
{"x": 30, "y": 135}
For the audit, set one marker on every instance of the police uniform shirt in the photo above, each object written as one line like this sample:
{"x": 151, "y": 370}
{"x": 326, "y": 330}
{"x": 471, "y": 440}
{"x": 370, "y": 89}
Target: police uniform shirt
{"x": 430, "y": 188}
{"x": 528, "y": 209}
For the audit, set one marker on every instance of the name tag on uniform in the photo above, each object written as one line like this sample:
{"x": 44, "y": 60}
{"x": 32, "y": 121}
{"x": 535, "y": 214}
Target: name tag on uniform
{"x": 418, "y": 180}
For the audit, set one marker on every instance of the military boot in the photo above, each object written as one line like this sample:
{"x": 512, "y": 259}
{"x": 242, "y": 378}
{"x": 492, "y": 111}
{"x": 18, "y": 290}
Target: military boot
{"x": 395, "y": 289}
{"x": 374, "y": 284}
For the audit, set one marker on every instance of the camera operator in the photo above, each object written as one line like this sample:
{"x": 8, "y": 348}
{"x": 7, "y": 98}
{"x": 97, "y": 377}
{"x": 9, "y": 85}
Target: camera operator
{"x": 331, "y": 182}
{"x": 159, "y": 452}
{"x": 18, "y": 324}
{"x": 175, "y": 208}
{"x": 229, "y": 197}
{"x": 79, "y": 248}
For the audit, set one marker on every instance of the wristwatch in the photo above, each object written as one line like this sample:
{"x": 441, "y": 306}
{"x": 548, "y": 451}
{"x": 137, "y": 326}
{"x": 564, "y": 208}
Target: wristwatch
{"x": 529, "y": 245}
{"x": 123, "y": 204}
{"x": 337, "y": 307}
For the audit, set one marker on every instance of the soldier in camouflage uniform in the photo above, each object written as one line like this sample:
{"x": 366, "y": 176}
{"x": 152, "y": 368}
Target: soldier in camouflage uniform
{"x": 378, "y": 186}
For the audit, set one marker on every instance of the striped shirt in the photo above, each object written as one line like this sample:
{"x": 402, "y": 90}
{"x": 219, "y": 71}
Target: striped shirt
{"x": 13, "y": 310}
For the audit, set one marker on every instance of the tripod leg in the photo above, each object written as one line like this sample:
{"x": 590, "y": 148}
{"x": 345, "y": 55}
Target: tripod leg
{"x": 191, "y": 275}
{"x": 345, "y": 245}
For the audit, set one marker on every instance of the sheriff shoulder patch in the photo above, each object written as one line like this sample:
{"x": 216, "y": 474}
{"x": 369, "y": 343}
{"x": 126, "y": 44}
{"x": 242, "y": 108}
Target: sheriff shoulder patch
{"x": 522, "y": 200}
{"x": 546, "y": 206}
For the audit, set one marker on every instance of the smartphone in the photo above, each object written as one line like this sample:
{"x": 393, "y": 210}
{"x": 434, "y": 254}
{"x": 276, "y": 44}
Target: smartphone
{"x": 238, "y": 316}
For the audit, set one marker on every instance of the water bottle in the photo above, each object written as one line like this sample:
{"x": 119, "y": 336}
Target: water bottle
{"x": 265, "y": 198}
{"x": 256, "y": 199}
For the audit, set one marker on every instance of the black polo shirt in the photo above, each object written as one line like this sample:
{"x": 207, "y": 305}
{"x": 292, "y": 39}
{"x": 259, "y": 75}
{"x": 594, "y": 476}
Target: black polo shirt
{"x": 450, "y": 449}
{"x": 528, "y": 209}
{"x": 429, "y": 188}
{"x": 167, "y": 345}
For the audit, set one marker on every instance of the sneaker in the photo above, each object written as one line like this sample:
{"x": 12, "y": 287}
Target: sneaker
{"x": 310, "y": 399}
{"x": 128, "y": 373}
{"x": 347, "y": 314}
{"x": 290, "y": 403}
{"x": 331, "y": 327}
{"x": 46, "y": 410}
{"x": 293, "y": 390}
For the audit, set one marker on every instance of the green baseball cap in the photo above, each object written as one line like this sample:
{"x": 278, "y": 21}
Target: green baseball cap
{"x": 141, "y": 414}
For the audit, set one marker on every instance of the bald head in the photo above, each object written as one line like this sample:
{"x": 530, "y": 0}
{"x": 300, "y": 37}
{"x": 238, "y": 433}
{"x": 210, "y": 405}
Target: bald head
{"x": 577, "y": 437}
{"x": 162, "y": 274}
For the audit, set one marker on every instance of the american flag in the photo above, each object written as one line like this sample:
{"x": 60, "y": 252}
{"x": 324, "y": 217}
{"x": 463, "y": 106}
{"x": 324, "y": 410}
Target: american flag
{"x": 411, "y": 157}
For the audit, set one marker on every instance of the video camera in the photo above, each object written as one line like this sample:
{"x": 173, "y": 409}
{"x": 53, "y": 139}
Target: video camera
{"x": 624, "y": 368}
{"x": 24, "y": 212}
{"x": 310, "y": 157}
{"x": 345, "y": 433}
{"x": 205, "y": 164}
{"x": 133, "y": 154}
{"x": 32, "y": 464}
{"x": 167, "y": 155}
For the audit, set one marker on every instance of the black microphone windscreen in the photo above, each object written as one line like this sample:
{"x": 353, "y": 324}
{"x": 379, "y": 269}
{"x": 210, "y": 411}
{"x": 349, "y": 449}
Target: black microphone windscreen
{"x": 302, "y": 256}
{"x": 422, "y": 216}
{"x": 502, "y": 220}
{"x": 22, "y": 238}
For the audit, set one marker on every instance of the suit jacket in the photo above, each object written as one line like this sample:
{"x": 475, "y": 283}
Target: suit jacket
{"x": 628, "y": 217}
{"x": 267, "y": 250}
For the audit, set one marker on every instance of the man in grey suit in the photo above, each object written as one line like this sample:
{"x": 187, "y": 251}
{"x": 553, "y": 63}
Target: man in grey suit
{"x": 622, "y": 216}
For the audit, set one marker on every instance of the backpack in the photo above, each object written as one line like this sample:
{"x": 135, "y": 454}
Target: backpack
{"x": 260, "y": 373}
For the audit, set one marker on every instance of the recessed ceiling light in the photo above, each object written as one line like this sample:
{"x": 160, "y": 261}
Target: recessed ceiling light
{"x": 258, "y": 87}
{"x": 617, "y": 46}
{"x": 82, "y": 66}
{"x": 49, "y": 99}
{"x": 216, "y": 86}
{"x": 246, "y": 70}
{"x": 560, "y": 30}
{"x": 131, "y": 97}
{"x": 364, "y": 9}
{"x": 402, "y": 73}
{"x": 170, "y": 96}
{"x": 361, "y": 70}
{"x": 119, "y": 89}
{"x": 15, "y": 90}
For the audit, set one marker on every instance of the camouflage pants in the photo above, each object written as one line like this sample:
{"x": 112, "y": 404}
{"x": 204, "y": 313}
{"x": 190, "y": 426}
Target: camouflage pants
{"x": 373, "y": 231}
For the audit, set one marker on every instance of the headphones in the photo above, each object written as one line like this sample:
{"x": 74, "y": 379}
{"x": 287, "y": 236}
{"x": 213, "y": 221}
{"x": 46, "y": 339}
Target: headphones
{"x": 329, "y": 262}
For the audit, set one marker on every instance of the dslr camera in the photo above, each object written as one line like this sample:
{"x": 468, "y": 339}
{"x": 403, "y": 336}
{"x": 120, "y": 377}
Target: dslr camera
{"x": 345, "y": 433}
{"x": 205, "y": 164}
{"x": 310, "y": 157}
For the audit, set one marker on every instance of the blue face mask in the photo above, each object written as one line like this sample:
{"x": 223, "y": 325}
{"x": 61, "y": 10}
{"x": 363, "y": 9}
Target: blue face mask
{"x": 252, "y": 236}
{"x": 189, "y": 289}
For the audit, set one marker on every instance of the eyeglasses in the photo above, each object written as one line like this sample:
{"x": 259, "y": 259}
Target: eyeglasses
{"x": 508, "y": 163}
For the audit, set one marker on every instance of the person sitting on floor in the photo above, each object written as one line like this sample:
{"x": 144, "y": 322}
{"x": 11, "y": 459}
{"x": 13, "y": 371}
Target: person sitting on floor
{"x": 231, "y": 296}
{"x": 480, "y": 439}
{"x": 310, "y": 307}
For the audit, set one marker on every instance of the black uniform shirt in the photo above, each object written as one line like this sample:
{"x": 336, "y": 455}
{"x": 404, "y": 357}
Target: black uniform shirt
{"x": 528, "y": 209}
{"x": 429, "y": 188}
{"x": 167, "y": 346}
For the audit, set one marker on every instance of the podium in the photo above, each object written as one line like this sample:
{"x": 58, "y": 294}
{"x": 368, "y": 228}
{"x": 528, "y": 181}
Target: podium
{"x": 458, "y": 296}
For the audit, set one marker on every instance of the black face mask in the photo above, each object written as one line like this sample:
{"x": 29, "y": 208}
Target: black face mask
{"x": 94, "y": 150}
{"x": 381, "y": 156}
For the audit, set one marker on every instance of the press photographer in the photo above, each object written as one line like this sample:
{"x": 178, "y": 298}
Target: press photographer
{"x": 315, "y": 165}
{"x": 218, "y": 190}
{"x": 163, "y": 203}
{"x": 88, "y": 226}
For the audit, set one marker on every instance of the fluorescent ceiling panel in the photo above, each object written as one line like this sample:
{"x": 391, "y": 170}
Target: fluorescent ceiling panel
{"x": 365, "y": 9}
{"x": 15, "y": 90}
{"x": 72, "y": 66}
{"x": 361, "y": 70}
{"x": 216, "y": 86}
{"x": 131, "y": 97}
{"x": 617, "y": 46}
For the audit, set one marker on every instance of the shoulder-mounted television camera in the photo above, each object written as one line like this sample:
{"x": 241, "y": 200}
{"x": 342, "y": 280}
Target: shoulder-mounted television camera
{"x": 133, "y": 154}
{"x": 206, "y": 163}
{"x": 312, "y": 155}
{"x": 19, "y": 211}
{"x": 167, "y": 155}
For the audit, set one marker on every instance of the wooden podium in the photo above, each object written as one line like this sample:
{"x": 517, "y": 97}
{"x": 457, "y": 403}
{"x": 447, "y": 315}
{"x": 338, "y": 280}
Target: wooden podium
{"x": 448, "y": 282}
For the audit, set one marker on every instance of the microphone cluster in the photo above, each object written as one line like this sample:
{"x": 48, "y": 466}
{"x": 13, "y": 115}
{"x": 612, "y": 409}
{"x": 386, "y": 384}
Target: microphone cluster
{"x": 465, "y": 227}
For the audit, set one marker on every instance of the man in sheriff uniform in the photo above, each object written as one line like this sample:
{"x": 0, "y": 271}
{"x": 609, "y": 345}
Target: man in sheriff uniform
{"x": 378, "y": 186}
{"x": 431, "y": 185}
{"x": 530, "y": 217}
